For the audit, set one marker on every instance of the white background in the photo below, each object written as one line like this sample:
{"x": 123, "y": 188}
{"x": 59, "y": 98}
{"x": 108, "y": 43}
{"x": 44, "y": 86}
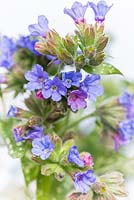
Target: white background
{"x": 16, "y": 15}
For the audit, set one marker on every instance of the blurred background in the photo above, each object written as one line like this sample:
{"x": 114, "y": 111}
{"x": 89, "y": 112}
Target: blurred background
{"x": 16, "y": 15}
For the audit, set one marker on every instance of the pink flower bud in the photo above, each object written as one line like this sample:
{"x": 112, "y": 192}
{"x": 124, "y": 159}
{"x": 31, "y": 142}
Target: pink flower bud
{"x": 87, "y": 159}
{"x": 39, "y": 95}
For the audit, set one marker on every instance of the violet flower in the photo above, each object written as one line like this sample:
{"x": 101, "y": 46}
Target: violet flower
{"x": 7, "y": 48}
{"x": 20, "y": 133}
{"x": 41, "y": 28}
{"x": 71, "y": 78}
{"x": 83, "y": 180}
{"x": 91, "y": 86}
{"x": 54, "y": 89}
{"x": 42, "y": 147}
{"x": 74, "y": 157}
{"x": 77, "y": 100}
{"x": 100, "y": 10}
{"x": 126, "y": 129}
{"x": 36, "y": 78}
{"x": 77, "y": 12}
{"x": 119, "y": 141}
{"x": 12, "y": 112}
{"x": 26, "y": 42}
{"x": 127, "y": 101}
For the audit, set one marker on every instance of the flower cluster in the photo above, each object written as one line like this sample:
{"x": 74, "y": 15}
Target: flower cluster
{"x": 70, "y": 86}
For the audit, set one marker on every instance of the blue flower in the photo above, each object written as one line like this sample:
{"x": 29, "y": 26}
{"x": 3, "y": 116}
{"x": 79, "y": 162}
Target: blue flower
{"x": 41, "y": 28}
{"x": 12, "y": 112}
{"x": 74, "y": 157}
{"x": 71, "y": 79}
{"x": 26, "y": 42}
{"x": 127, "y": 101}
{"x": 91, "y": 86}
{"x": 54, "y": 88}
{"x": 76, "y": 12}
{"x": 42, "y": 147}
{"x": 77, "y": 99}
{"x": 100, "y": 10}
{"x": 126, "y": 129}
{"x": 7, "y": 48}
{"x": 36, "y": 78}
{"x": 83, "y": 180}
{"x": 20, "y": 133}
{"x": 35, "y": 132}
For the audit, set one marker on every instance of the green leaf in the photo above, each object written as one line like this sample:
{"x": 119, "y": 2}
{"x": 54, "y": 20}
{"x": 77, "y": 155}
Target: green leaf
{"x": 44, "y": 184}
{"x": 30, "y": 170}
{"x": 103, "y": 69}
{"x": 16, "y": 150}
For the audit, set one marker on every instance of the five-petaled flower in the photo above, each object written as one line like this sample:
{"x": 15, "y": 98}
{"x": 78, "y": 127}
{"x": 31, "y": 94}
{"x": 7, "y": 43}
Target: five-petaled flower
{"x": 41, "y": 28}
{"x": 54, "y": 88}
{"x": 42, "y": 147}
{"x": 36, "y": 78}
{"x": 77, "y": 99}
{"x": 91, "y": 86}
{"x": 83, "y": 180}
{"x": 74, "y": 157}
{"x": 77, "y": 12}
{"x": 71, "y": 78}
{"x": 100, "y": 10}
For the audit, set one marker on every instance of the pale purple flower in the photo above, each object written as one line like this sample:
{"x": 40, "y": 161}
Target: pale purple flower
{"x": 119, "y": 141}
{"x": 126, "y": 129}
{"x": 41, "y": 28}
{"x": 7, "y": 48}
{"x": 127, "y": 101}
{"x": 77, "y": 100}
{"x": 83, "y": 180}
{"x": 26, "y": 42}
{"x": 54, "y": 89}
{"x": 35, "y": 132}
{"x": 91, "y": 86}
{"x": 20, "y": 133}
{"x": 36, "y": 78}
{"x": 71, "y": 78}
{"x": 42, "y": 147}
{"x": 74, "y": 157}
{"x": 77, "y": 12}
{"x": 100, "y": 10}
{"x": 12, "y": 112}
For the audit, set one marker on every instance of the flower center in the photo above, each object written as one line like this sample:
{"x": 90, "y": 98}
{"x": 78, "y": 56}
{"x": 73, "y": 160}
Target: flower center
{"x": 68, "y": 81}
{"x": 54, "y": 88}
{"x": 41, "y": 79}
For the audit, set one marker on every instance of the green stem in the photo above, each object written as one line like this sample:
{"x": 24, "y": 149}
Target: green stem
{"x": 44, "y": 187}
{"x": 76, "y": 122}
